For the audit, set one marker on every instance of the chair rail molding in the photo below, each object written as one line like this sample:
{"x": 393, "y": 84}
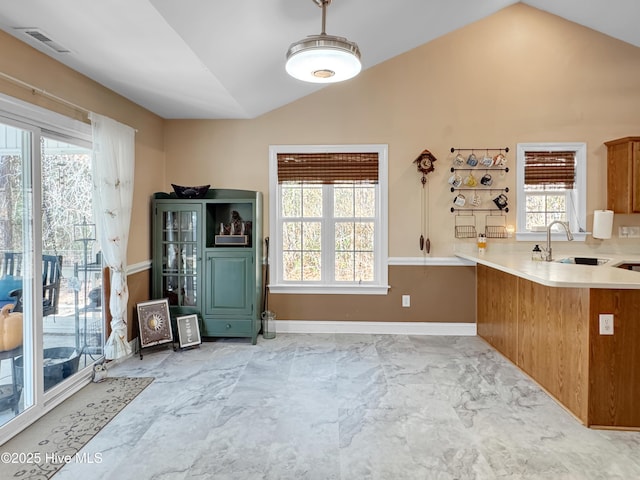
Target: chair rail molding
{"x": 430, "y": 261}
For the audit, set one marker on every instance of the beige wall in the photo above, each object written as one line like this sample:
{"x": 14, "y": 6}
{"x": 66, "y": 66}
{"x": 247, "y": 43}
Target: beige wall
{"x": 521, "y": 75}
{"x": 27, "y": 64}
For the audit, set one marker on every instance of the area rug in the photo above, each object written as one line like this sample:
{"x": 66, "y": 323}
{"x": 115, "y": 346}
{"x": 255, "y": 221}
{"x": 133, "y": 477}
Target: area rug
{"x": 40, "y": 450}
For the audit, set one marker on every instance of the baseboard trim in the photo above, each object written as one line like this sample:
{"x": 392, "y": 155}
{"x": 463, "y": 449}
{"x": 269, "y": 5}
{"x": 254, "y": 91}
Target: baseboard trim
{"x": 379, "y": 328}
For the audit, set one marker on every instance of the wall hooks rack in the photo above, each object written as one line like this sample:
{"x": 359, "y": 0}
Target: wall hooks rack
{"x": 471, "y": 210}
{"x": 505, "y": 169}
{"x": 505, "y": 149}
{"x": 489, "y": 165}
{"x": 483, "y": 189}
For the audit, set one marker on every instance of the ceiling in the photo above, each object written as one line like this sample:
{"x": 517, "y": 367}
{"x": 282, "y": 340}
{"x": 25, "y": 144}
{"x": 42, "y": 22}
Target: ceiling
{"x": 225, "y": 59}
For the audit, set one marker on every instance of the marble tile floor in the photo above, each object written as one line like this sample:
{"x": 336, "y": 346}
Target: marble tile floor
{"x": 347, "y": 407}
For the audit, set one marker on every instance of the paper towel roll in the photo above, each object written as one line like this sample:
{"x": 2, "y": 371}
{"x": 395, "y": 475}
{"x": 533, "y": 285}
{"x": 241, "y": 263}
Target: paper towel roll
{"x": 602, "y": 223}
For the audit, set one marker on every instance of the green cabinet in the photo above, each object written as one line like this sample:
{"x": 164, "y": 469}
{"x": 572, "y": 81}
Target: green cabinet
{"x": 207, "y": 256}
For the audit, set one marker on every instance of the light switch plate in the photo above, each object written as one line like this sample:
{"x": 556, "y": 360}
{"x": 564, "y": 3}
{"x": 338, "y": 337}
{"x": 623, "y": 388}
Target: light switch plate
{"x": 606, "y": 324}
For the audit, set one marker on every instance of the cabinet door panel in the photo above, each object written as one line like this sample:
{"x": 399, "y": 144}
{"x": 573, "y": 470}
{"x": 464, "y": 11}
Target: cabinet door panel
{"x": 177, "y": 257}
{"x": 623, "y": 179}
{"x": 618, "y": 178}
{"x": 229, "y": 284}
{"x": 635, "y": 161}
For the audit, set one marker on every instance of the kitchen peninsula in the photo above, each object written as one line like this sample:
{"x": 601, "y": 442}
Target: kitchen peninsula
{"x": 545, "y": 318}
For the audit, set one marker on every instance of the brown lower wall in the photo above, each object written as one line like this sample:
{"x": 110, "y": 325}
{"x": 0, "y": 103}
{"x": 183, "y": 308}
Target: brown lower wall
{"x": 438, "y": 294}
{"x": 139, "y": 291}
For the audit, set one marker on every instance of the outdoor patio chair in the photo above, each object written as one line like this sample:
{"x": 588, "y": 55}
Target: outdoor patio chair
{"x": 51, "y": 276}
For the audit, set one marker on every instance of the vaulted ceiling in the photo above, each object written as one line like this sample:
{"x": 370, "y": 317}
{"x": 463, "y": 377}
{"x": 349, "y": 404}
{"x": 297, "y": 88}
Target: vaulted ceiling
{"x": 225, "y": 59}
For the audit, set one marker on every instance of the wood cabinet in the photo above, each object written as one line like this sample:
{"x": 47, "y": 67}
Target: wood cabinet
{"x": 553, "y": 335}
{"x": 207, "y": 258}
{"x": 623, "y": 175}
{"x": 553, "y": 341}
{"x": 614, "y": 360}
{"x": 497, "y": 307}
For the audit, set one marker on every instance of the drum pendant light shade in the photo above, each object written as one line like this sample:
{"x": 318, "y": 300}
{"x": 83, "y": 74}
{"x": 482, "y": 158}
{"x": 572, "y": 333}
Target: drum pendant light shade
{"x": 323, "y": 58}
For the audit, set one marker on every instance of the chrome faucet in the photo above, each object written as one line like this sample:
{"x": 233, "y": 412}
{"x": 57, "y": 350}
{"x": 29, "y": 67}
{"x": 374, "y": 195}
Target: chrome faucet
{"x": 547, "y": 255}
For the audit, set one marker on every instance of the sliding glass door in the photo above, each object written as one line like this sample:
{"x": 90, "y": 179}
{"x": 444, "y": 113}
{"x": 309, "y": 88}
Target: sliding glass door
{"x": 51, "y": 269}
{"x": 71, "y": 263}
{"x": 17, "y": 247}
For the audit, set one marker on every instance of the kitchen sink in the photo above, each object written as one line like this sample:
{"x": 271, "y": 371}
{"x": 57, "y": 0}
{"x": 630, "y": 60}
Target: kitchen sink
{"x": 584, "y": 260}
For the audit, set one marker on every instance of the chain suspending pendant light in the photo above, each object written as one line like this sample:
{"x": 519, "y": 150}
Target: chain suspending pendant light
{"x": 323, "y": 58}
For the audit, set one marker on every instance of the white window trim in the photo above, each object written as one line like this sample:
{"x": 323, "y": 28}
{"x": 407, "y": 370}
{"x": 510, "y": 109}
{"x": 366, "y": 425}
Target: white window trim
{"x": 380, "y": 287}
{"x": 52, "y": 123}
{"x": 580, "y": 188}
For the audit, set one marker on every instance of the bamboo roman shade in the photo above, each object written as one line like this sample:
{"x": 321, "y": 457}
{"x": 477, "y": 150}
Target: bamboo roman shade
{"x": 557, "y": 169}
{"x": 328, "y": 167}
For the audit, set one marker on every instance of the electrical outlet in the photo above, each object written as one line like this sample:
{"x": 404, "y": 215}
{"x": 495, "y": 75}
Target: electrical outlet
{"x": 633, "y": 232}
{"x": 626, "y": 231}
{"x": 606, "y": 323}
{"x": 406, "y": 300}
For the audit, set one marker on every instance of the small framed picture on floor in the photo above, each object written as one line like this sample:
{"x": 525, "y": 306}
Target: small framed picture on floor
{"x": 188, "y": 331}
{"x": 154, "y": 322}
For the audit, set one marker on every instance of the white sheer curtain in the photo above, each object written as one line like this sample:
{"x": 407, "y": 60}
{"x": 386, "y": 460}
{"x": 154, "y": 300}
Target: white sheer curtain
{"x": 112, "y": 167}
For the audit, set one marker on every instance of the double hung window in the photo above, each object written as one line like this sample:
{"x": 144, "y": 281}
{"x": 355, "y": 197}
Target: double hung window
{"x": 328, "y": 219}
{"x": 551, "y": 186}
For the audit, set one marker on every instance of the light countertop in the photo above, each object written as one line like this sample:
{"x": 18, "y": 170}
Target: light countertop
{"x": 556, "y": 274}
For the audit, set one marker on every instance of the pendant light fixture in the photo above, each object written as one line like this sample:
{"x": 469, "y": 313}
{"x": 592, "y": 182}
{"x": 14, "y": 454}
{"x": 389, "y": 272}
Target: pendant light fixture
{"x": 323, "y": 58}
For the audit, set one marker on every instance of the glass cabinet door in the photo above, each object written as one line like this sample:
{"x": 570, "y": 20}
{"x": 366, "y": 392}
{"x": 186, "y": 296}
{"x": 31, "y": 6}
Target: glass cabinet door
{"x": 180, "y": 253}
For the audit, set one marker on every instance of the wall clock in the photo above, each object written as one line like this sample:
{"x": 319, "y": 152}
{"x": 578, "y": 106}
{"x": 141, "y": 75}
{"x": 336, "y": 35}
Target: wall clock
{"x": 425, "y": 164}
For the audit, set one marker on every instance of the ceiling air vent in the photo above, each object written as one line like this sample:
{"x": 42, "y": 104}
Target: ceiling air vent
{"x": 44, "y": 39}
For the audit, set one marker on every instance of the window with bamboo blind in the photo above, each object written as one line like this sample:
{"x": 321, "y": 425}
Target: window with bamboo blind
{"x": 551, "y": 185}
{"x": 550, "y": 170}
{"x": 328, "y": 168}
{"x": 328, "y": 218}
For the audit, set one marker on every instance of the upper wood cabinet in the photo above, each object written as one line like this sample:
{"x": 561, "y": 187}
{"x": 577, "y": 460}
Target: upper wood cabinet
{"x": 623, "y": 175}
